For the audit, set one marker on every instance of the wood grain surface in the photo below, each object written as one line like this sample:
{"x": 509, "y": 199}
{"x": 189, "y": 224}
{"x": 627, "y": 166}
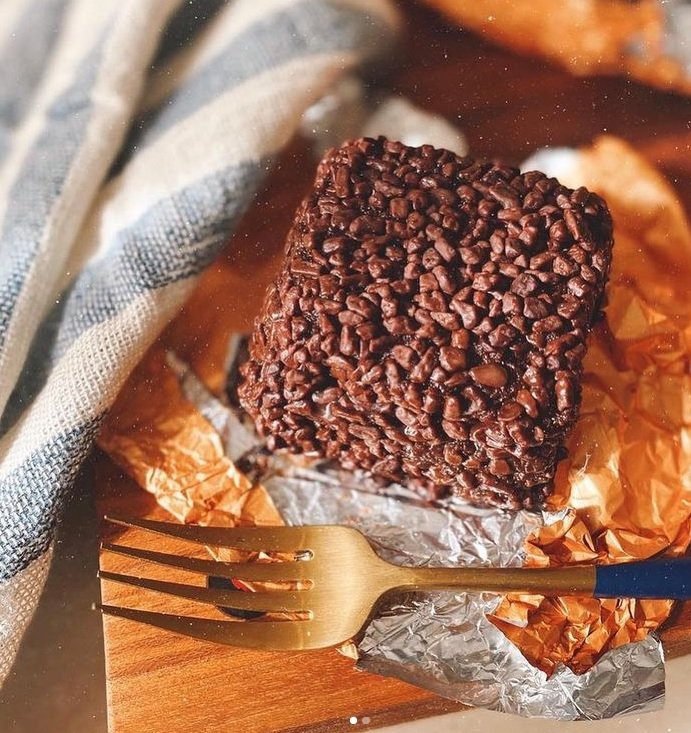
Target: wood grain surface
{"x": 507, "y": 106}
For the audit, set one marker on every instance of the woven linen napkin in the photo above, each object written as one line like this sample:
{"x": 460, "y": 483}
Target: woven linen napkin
{"x": 133, "y": 135}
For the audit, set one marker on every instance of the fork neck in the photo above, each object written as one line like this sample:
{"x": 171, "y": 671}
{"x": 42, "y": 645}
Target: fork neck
{"x": 546, "y": 581}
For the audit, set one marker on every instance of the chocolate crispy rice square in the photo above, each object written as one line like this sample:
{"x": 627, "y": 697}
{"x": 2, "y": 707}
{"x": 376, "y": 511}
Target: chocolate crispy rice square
{"x": 430, "y": 321}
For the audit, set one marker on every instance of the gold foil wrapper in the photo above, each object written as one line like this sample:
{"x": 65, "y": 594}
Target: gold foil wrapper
{"x": 164, "y": 443}
{"x": 627, "y": 478}
{"x": 641, "y": 39}
{"x": 625, "y": 489}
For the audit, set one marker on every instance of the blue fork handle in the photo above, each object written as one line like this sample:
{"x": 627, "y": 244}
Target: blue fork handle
{"x": 667, "y": 578}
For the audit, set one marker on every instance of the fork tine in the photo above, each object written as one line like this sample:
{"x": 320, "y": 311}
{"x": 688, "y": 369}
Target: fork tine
{"x": 256, "y": 539}
{"x": 272, "y": 601}
{"x": 279, "y": 571}
{"x": 274, "y": 635}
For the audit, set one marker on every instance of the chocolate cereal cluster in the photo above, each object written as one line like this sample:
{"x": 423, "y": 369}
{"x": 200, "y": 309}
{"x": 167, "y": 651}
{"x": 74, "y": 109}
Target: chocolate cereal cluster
{"x": 430, "y": 321}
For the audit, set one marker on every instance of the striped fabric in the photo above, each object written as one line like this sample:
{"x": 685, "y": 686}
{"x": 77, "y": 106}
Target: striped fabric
{"x": 133, "y": 135}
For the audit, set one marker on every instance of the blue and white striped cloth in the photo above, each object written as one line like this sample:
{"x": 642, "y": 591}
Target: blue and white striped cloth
{"x": 133, "y": 135}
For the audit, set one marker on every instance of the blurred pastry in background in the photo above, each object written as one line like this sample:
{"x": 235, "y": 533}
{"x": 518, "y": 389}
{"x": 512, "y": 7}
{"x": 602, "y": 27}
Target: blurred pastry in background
{"x": 643, "y": 39}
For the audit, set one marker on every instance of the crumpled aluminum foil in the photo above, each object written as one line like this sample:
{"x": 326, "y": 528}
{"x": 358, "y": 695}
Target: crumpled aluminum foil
{"x": 440, "y": 641}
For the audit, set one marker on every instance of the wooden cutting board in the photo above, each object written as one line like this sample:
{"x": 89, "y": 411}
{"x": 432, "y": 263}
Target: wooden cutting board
{"x": 507, "y": 106}
{"x": 163, "y": 683}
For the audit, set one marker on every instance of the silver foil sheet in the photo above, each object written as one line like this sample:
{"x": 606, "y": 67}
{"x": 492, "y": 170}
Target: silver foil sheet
{"x": 440, "y": 641}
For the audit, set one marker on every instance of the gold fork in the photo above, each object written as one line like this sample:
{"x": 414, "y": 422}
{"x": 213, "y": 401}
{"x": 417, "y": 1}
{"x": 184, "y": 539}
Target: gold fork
{"x": 341, "y": 581}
